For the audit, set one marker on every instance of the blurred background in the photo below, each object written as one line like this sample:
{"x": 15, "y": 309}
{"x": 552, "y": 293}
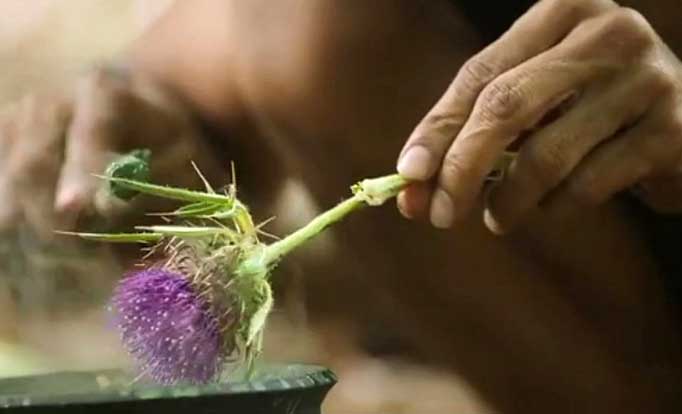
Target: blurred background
{"x": 52, "y": 302}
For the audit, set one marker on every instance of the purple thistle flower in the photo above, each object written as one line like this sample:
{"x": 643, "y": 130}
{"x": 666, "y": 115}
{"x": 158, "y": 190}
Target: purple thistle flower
{"x": 169, "y": 327}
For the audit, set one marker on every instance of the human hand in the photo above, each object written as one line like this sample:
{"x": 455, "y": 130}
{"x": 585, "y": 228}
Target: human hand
{"x": 52, "y": 144}
{"x": 590, "y": 97}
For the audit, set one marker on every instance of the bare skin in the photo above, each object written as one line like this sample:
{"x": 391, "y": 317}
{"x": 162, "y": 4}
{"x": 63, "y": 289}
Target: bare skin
{"x": 620, "y": 87}
{"x": 542, "y": 320}
{"x": 54, "y": 141}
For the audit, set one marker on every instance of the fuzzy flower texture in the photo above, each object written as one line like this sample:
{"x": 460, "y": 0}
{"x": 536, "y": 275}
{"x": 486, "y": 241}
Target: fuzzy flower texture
{"x": 168, "y": 326}
{"x": 201, "y": 300}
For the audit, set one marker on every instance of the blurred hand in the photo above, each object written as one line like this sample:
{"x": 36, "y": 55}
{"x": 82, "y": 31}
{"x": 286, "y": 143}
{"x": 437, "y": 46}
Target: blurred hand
{"x": 596, "y": 96}
{"x": 52, "y": 144}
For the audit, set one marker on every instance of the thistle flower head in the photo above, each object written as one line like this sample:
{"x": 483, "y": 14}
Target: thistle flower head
{"x": 170, "y": 327}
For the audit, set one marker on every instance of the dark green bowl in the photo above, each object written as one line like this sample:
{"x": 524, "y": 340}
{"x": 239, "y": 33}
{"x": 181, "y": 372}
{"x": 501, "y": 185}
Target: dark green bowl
{"x": 275, "y": 389}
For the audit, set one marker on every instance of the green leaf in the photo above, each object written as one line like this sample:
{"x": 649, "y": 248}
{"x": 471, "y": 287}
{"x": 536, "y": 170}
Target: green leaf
{"x": 172, "y": 193}
{"x": 201, "y": 209}
{"x": 221, "y": 214}
{"x": 187, "y": 231}
{"x": 117, "y": 237}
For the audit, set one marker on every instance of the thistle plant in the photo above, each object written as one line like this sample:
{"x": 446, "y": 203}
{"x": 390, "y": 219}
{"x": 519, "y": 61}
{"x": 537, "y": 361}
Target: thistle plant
{"x": 203, "y": 295}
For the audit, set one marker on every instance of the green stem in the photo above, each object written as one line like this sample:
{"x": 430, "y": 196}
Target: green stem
{"x": 374, "y": 191}
{"x": 280, "y": 248}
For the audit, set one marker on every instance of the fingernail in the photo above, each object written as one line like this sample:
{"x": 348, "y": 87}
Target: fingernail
{"x": 415, "y": 164}
{"x": 442, "y": 213}
{"x": 491, "y": 222}
{"x": 402, "y": 206}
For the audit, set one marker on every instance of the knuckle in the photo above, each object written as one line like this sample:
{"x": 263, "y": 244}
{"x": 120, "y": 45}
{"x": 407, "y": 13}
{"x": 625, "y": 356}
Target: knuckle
{"x": 452, "y": 166}
{"x": 500, "y": 100}
{"x": 439, "y": 124}
{"x": 575, "y": 9}
{"x": 476, "y": 73}
{"x": 631, "y": 18}
{"x": 628, "y": 26}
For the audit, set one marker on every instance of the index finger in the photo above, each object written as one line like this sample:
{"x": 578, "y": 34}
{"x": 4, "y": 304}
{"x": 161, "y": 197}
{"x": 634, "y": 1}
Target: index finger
{"x": 95, "y": 137}
{"x": 542, "y": 27}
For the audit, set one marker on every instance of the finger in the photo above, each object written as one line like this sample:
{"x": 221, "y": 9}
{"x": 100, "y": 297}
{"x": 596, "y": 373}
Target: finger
{"x": 521, "y": 97}
{"x": 549, "y": 155}
{"x": 413, "y": 202}
{"x": 616, "y": 165}
{"x": 543, "y": 26}
{"x": 510, "y": 104}
{"x": 35, "y": 159}
{"x": 662, "y": 189}
{"x": 94, "y": 138}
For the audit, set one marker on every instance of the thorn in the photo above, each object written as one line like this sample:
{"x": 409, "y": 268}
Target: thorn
{"x": 265, "y": 222}
{"x": 217, "y": 222}
{"x": 66, "y": 233}
{"x": 269, "y": 235}
{"x": 138, "y": 378}
{"x": 171, "y": 258}
{"x": 168, "y": 245}
{"x": 209, "y": 189}
{"x": 168, "y": 213}
{"x": 151, "y": 251}
{"x": 259, "y": 228}
{"x": 233, "y": 170}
